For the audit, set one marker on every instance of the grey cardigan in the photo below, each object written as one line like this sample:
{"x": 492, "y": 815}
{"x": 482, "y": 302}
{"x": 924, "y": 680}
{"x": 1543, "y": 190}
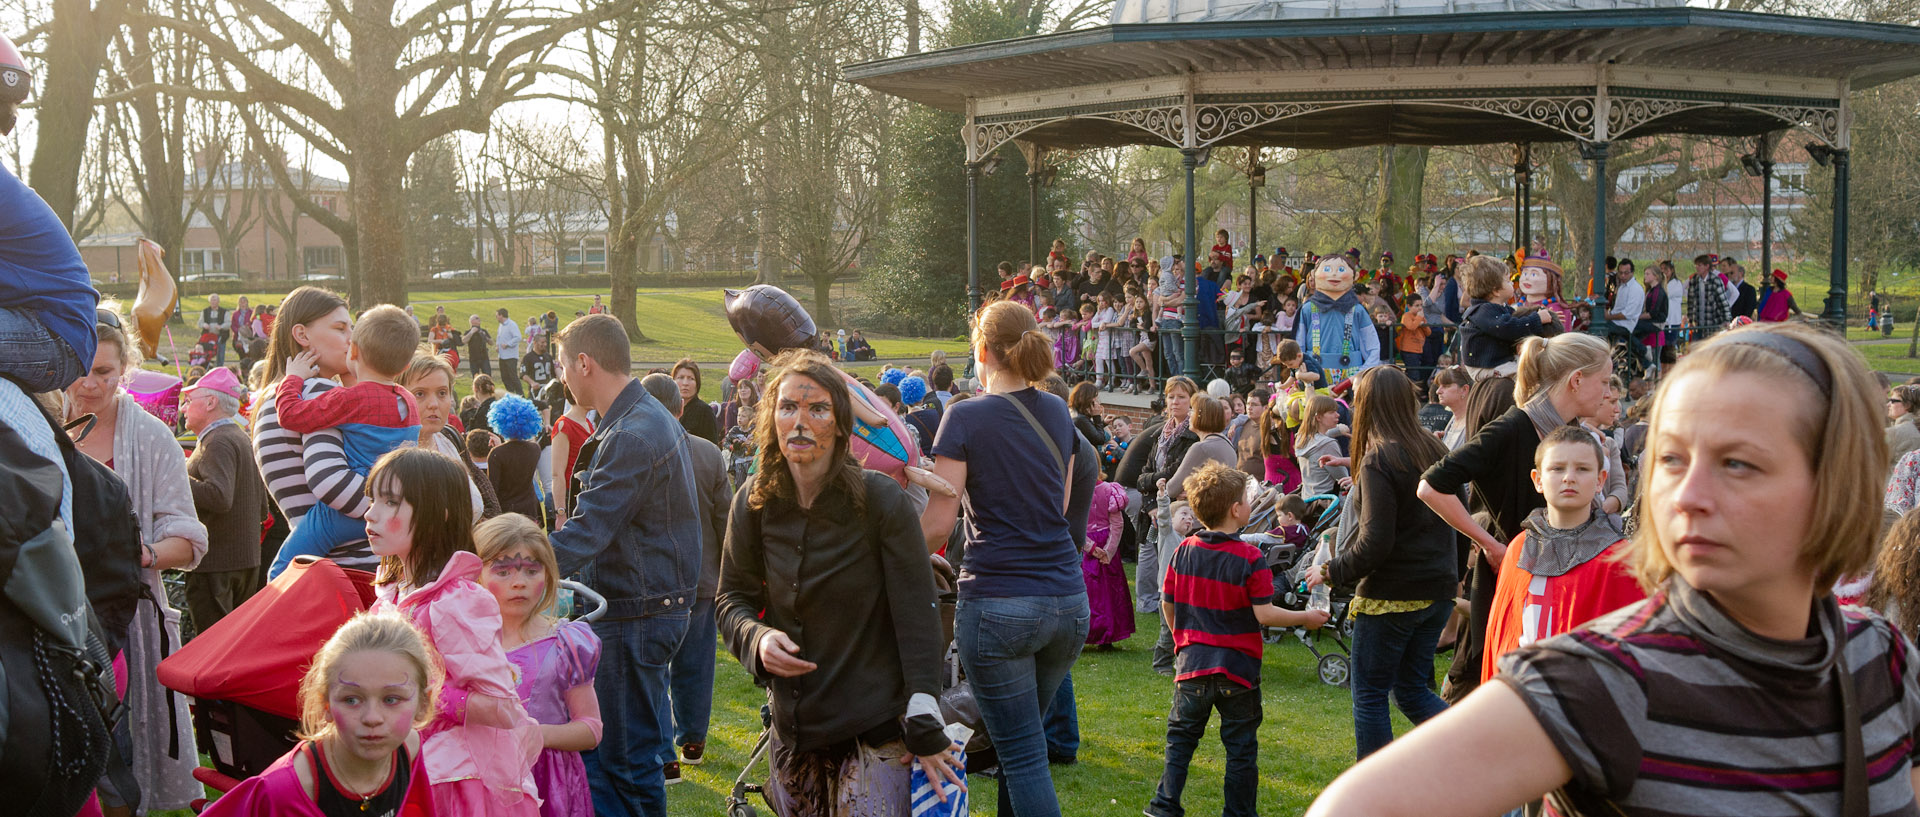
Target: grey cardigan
{"x": 1211, "y": 448}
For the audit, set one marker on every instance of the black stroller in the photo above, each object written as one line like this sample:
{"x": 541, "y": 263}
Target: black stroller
{"x": 1289, "y": 564}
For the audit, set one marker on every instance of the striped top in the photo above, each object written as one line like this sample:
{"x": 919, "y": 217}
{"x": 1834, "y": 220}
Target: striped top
{"x": 1669, "y": 707}
{"x": 1212, "y": 584}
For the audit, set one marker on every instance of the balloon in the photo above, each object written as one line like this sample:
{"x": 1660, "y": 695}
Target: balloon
{"x": 745, "y": 366}
{"x": 768, "y": 320}
{"x": 154, "y": 305}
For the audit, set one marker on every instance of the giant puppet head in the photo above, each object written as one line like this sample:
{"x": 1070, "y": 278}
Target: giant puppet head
{"x": 1539, "y": 280}
{"x": 769, "y": 321}
{"x": 1334, "y": 276}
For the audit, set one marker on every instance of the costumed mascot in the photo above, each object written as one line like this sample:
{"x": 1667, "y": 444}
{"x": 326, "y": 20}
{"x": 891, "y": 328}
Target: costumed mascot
{"x": 769, "y": 321}
{"x": 1540, "y": 289}
{"x": 1334, "y": 330}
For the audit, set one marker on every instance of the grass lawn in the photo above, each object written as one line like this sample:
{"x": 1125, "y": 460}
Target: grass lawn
{"x": 1305, "y": 741}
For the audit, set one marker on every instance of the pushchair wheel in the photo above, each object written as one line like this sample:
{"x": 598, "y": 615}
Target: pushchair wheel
{"x": 741, "y": 810}
{"x": 1346, "y": 628}
{"x": 1333, "y": 670}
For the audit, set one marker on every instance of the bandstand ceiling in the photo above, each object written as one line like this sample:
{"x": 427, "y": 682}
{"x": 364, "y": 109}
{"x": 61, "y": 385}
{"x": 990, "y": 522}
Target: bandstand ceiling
{"x": 1409, "y": 79}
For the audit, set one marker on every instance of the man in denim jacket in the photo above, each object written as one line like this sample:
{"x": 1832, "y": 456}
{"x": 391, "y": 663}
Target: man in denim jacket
{"x": 634, "y": 535}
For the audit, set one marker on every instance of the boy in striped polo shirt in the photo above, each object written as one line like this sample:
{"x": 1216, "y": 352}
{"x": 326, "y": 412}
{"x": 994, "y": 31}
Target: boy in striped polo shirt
{"x": 1216, "y": 595}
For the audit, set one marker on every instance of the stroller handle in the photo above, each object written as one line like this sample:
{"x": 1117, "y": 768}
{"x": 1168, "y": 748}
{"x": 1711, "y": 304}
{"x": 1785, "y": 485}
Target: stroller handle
{"x": 599, "y": 601}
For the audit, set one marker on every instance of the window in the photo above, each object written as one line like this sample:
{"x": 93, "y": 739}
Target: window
{"x": 193, "y": 262}
{"x": 594, "y": 254}
{"x": 322, "y": 258}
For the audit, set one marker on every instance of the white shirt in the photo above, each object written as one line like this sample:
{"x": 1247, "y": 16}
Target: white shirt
{"x": 1629, "y": 300}
{"x": 508, "y": 340}
{"x": 1676, "y": 293}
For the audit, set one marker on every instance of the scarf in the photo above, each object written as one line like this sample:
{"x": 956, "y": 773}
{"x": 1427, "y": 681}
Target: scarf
{"x": 1167, "y": 435}
{"x": 1545, "y": 417}
{"x": 1813, "y": 655}
{"x": 1346, "y": 301}
{"x": 1552, "y": 551}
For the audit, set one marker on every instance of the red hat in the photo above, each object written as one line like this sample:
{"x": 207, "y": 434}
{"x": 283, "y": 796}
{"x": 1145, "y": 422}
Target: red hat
{"x": 15, "y": 80}
{"x": 1020, "y": 281}
{"x": 1006, "y": 285}
{"x": 1780, "y": 274}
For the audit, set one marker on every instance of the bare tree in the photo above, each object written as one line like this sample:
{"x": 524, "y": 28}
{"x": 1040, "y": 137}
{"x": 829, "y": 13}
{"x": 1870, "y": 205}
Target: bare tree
{"x": 75, "y": 48}
{"x": 370, "y": 82}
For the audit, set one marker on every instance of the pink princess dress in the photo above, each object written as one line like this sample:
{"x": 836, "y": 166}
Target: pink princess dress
{"x": 549, "y": 668}
{"x": 1107, "y": 595}
{"x": 481, "y": 746}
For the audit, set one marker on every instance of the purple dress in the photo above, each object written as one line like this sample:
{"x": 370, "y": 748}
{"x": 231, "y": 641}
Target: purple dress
{"x": 1107, "y": 593}
{"x": 547, "y": 669}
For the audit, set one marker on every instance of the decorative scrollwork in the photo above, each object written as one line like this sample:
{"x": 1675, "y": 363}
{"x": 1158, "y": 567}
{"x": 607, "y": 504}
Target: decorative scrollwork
{"x": 1572, "y": 115}
{"x": 1823, "y": 123}
{"x": 1213, "y": 123}
{"x": 1166, "y": 122}
{"x": 1624, "y": 114}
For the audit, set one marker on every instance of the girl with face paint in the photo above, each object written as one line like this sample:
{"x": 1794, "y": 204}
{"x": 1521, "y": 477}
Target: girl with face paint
{"x": 481, "y": 743}
{"x": 368, "y": 689}
{"x": 554, "y": 659}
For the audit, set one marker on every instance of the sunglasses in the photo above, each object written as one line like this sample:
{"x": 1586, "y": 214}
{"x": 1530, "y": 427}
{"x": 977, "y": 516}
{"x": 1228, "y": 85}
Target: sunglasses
{"x": 108, "y": 317}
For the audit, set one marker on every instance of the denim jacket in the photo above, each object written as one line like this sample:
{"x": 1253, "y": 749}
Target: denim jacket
{"x": 635, "y": 523}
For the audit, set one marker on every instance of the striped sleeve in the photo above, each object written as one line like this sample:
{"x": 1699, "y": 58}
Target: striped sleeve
{"x": 277, "y": 450}
{"x": 1592, "y": 709}
{"x": 331, "y": 479}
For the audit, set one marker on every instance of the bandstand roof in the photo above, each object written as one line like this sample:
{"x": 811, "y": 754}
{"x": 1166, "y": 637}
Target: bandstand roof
{"x": 1460, "y": 78}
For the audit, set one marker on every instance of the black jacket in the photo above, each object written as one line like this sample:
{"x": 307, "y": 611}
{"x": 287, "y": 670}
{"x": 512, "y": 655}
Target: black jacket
{"x": 1490, "y": 334}
{"x": 1092, "y": 429}
{"x": 698, "y": 419}
{"x": 1403, "y": 550}
{"x": 1498, "y": 461}
{"x": 855, "y": 591}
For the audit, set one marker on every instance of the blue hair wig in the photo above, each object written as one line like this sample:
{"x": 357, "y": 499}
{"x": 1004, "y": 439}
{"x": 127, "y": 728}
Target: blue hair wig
{"x": 913, "y": 390}
{"x": 892, "y": 377}
{"x": 514, "y": 417}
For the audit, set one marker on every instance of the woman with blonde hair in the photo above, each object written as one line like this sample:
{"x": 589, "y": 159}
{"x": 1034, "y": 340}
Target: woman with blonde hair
{"x": 1023, "y": 612}
{"x": 1559, "y": 381}
{"x": 1739, "y": 687}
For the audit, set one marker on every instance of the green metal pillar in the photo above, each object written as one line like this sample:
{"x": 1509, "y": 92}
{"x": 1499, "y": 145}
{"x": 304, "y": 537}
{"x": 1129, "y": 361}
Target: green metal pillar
{"x": 973, "y": 238}
{"x": 1836, "y": 311}
{"x": 1190, "y": 310}
{"x": 1596, "y": 153}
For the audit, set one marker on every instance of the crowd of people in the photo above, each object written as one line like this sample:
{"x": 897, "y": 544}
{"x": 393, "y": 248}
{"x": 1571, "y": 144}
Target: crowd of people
{"x": 1695, "y": 598}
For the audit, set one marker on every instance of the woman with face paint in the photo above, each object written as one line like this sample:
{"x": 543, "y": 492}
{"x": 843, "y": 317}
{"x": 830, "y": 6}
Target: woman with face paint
{"x": 1023, "y": 612}
{"x": 853, "y": 693}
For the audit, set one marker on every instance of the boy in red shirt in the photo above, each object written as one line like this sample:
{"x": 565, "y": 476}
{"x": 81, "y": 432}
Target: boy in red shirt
{"x": 1216, "y": 595}
{"x": 1559, "y": 574}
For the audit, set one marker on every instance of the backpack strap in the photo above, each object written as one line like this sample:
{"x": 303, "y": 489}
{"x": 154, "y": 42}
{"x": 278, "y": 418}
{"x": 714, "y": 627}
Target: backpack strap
{"x": 1052, "y": 447}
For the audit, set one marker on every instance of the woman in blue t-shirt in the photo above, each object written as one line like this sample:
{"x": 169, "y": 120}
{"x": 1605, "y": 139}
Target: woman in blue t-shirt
{"x": 1023, "y": 612}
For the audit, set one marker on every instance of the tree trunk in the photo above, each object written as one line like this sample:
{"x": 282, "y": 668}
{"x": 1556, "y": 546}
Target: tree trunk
{"x": 379, "y": 272}
{"x": 1397, "y": 213}
{"x": 76, "y": 48}
{"x": 822, "y": 299}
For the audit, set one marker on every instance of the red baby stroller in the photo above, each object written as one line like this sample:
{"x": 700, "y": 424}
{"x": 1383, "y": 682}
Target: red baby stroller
{"x": 244, "y": 673}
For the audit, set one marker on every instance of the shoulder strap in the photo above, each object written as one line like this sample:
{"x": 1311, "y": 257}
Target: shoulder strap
{"x": 1853, "y": 794}
{"x": 1052, "y": 447}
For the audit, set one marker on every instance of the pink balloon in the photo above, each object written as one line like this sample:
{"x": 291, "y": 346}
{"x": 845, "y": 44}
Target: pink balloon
{"x": 745, "y": 366}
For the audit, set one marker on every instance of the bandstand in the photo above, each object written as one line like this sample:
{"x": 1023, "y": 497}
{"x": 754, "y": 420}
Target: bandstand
{"x": 1329, "y": 74}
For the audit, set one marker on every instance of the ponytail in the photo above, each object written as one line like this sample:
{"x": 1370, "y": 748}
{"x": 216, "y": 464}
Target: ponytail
{"x": 1011, "y": 333}
{"x": 1545, "y": 364}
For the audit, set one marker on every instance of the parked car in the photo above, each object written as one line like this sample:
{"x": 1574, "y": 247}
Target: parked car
{"x": 209, "y": 277}
{"x": 456, "y": 273}
{"x": 321, "y": 276}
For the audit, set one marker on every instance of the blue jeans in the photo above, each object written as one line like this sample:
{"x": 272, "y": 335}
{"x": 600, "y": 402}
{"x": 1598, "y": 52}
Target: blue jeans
{"x": 692, "y": 679}
{"x": 624, "y": 773}
{"x": 1173, "y": 346}
{"x": 34, "y": 356}
{"x": 1017, "y": 651}
{"x": 1393, "y": 654}
{"x": 1240, "y": 714}
{"x": 1063, "y": 724}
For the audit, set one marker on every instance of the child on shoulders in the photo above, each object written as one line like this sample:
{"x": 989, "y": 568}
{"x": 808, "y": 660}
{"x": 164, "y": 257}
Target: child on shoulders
{"x": 1490, "y": 332}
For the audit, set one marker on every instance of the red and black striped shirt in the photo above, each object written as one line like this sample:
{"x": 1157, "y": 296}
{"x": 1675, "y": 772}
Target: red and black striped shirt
{"x": 1211, "y": 585}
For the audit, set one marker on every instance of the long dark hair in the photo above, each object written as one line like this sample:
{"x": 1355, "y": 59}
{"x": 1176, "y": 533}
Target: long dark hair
{"x": 436, "y": 486}
{"x": 302, "y": 306}
{"x": 772, "y": 478}
{"x": 1386, "y": 422}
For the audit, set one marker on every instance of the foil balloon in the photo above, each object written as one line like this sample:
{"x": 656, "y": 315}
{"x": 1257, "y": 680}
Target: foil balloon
{"x": 154, "y": 304}
{"x": 769, "y": 321}
{"x": 745, "y": 366}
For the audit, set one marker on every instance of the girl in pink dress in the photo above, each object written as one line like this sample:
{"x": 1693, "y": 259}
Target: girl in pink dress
{"x": 481, "y": 746}
{"x": 555, "y": 659}
{"x": 1107, "y": 595}
{"x": 368, "y": 689}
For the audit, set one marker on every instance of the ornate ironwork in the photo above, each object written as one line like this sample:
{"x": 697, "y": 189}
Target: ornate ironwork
{"x": 1823, "y": 123}
{"x": 1164, "y": 121}
{"x": 1571, "y": 115}
{"x": 1213, "y": 123}
{"x": 1624, "y": 114}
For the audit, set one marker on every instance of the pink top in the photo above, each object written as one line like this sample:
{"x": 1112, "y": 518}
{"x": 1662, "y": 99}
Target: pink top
{"x": 482, "y": 731}
{"x": 276, "y": 792}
